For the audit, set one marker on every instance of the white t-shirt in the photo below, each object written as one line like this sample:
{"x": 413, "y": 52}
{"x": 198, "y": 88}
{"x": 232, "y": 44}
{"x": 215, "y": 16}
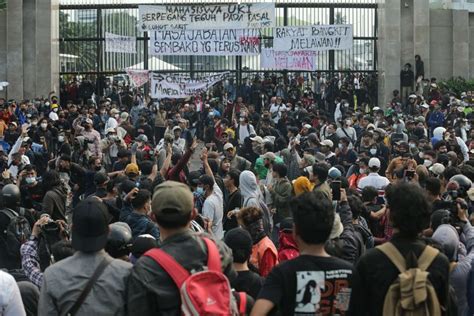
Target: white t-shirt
{"x": 213, "y": 209}
{"x": 53, "y": 116}
{"x": 10, "y": 298}
{"x": 275, "y": 109}
{"x": 373, "y": 180}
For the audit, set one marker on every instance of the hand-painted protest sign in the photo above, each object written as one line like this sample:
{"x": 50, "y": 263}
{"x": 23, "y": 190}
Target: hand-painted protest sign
{"x": 297, "y": 60}
{"x": 180, "y": 86}
{"x": 240, "y": 16}
{"x": 312, "y": 38}
{"x": 217, "y": 42}
{"x": 138, "y": 77}
{"x": 120, "y": 44}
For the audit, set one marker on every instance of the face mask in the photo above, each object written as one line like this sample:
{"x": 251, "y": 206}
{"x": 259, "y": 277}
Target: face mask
{"x": 44, "y": 125}
{"x": 200, "y": 190}
{"x": 117, "y": 116}
{"x": 341, "y": 146}
{"x": 412, "y": 145}
{"x": 362, "y": 170}
{"x": 395, "y": 126}
{"x": 421, "y": 155}
{"x": 34, "y": 123}
{"x": 373, "y": 151}
{"x": 30, "y": 180}
{"x": 348, "y": 122}
{"x": 55, "y": 109}
{"x": 427, "y": 163}
{"x": 98, "y": 168}
{"x": 60, "y": 138}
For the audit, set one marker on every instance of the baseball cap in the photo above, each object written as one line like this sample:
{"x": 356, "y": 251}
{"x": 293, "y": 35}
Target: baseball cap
{"x": 269, "y": 155}
{"x": 206, "y": 180}
{"x": 132, "y": 168}
{"x": 307, "y": 126}
{"x": 437, "y": 169}
{"x": 101, "y": 178}
{"x": 172, "y": 198}
{"x": 412, "y": 96}
{"x": 124, "y": 116}
{"x": 114, "y": 111}
{"x": 228, "y": 146}
{"x": 91, "y": 225}
{"x": 88, "y": 121}
{"x": 257, "y": 139}
{"x": 374, "y": 163}
{"x": 240, "y": 241}
{"x": 176, "y": 128}
{"x": 334, "y": 173}
{"x": 327, "y": 142}
{"x": 142, "y": 138}
{"x": 109, "y": 130}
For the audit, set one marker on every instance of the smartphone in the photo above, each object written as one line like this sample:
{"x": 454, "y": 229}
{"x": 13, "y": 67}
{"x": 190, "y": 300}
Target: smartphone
{"x": 409, "y": 174}
{"x": 336, "y": 190}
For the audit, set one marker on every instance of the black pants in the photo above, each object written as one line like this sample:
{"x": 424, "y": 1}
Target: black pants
{"x": 159, "y": 133}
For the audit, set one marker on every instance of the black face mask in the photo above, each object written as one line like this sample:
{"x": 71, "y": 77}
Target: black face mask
{"x": 98, "y": 168}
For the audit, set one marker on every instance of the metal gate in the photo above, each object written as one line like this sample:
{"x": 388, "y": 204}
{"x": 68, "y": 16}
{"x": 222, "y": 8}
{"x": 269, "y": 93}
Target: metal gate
{"x": 83, "y": 23}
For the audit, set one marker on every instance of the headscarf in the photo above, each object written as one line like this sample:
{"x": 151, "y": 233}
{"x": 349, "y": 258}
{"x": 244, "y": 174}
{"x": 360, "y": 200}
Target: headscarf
{"x": 302, "y": 185}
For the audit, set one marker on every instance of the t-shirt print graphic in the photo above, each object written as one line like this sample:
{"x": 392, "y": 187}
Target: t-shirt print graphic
{"x": 308, "y": 291}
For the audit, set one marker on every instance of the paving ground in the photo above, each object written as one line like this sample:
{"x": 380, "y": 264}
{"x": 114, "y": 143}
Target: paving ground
{"x": 196, "y": 163}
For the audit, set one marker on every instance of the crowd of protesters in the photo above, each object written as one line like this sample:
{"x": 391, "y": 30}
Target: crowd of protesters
{"x": 310, "y": 198}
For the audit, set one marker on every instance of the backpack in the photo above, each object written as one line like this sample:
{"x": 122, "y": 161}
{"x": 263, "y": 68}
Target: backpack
{"x": 206, "y": 292}
{"x": 17, "y": 232}
{"x": 412, "y": 292}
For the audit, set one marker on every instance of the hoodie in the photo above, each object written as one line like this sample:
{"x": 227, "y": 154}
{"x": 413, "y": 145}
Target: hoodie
{"x": 287, "y": 248}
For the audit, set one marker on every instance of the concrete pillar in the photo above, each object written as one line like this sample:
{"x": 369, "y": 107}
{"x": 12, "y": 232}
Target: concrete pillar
{"x": 15, "y": 49}
{"x": 441, "y": 44}
{"x": 421, "y": 32}
{"x": 390, "y": 44}
{"x": 3, "y": 50}
{"x": 29, "y": 49}
{"x": 461, "y": 43}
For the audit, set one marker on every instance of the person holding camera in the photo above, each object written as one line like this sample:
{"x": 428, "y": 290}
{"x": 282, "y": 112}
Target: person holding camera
{"x": 111, "y": 146}
{"x": 30, "y": 258}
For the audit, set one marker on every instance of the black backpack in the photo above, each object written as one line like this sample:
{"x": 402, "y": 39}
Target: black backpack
{"x": 17, "y": 232}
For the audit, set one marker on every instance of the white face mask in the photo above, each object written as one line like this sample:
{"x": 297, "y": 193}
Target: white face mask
{"x": 412, "y": 145}
{"x": 30, "y": 180}
{"x": 44, "y": 125}
{"x": 373, "y": 151}
{"x": 60, "y": 138}
{"x": 341, "y": 146}
{"x": 55, "y": 109}
{"x": 362, "y": 170}
{"x": 348, "y": 122}
{"x": 427, "y": 163}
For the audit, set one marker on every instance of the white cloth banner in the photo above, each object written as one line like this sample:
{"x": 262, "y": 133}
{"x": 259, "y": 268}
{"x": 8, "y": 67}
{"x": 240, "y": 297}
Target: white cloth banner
{"x": 200, "y": 16}
{"x": 217, "y": 42}
{"x": 312, "y": 38}
{"x": 297, "y": 60}
{"x": 120, "y": 44}
{"x": 138, "y": 77}
{"x": 179, "y": 86}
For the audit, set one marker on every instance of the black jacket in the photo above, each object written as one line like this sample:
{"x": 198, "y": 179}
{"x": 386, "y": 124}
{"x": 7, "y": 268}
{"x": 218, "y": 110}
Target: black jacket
{"x": 151, "y": 291}
{"x": 375, "y": 273}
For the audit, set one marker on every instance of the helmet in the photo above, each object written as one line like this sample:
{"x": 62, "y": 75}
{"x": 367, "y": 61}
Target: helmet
{"x": 11, "y": 196}
{"x": 119, "y": 240}
{"x": 464, "y": 184}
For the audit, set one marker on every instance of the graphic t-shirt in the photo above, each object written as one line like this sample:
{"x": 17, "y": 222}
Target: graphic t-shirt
{"x": 309, "y": 285}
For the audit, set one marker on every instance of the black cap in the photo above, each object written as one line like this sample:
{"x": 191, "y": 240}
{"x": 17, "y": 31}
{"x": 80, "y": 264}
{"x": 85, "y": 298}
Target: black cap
{"x": 193, "y": 177}
{"x": 91, "y": 225}
{"x": 206, "y": 180}
{"x": 240, "y": 241}
{"x": 101, "y": 178}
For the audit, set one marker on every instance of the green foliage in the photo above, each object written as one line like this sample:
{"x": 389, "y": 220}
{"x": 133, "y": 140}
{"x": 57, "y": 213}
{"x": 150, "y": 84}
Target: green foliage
{"x": 456, "y": 85}
{"x": 3, "y": 4}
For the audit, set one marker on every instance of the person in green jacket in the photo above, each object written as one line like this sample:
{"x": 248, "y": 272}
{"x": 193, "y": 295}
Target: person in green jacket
{"x": 281, "y": 191}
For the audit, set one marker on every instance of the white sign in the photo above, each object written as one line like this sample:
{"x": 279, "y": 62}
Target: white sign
{"x": 206, "y": 42}
{"x": 120, "y": 44}
{"x": 312, "y": 38}
{"x": 180, "y": 86}
{"x": 200, "y": 16}
{"x": 297, "y": 60}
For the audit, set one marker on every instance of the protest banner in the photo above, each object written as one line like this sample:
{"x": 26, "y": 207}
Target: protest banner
{"x": 312, "y": 38}
{"x": 176, "y": 86}
{"x": 138, "y": 77}
{"x": 216, "y": 16}
{"x": 297, "y": 60}
{"x": 218, "y": 42}
{"x": 120, "y": 44}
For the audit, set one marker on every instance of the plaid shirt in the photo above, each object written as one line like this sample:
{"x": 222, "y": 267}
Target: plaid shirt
{"x": 30, "y": 261}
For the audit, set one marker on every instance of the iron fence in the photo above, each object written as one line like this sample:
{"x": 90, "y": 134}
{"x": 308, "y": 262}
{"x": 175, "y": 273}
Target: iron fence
{"x": 83, "y": 24}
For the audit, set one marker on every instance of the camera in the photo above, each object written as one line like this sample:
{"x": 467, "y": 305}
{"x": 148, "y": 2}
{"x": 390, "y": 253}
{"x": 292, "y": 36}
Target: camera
{"x": 451, "y": 203}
